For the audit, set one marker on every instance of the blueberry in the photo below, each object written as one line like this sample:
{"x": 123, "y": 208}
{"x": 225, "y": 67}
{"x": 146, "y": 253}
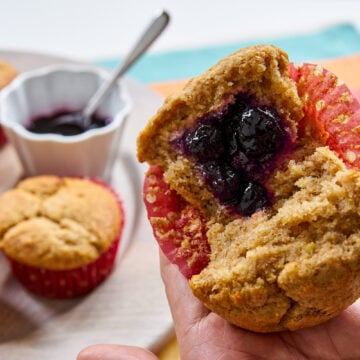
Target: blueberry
{"x": 222, "y": 179}
{"x": 254, "y": 198}
{"x": 241, "y": 161}
{"x": 259, "y": 134}
{"x": 232, "y": 139}
{"x": 205, "y": 143}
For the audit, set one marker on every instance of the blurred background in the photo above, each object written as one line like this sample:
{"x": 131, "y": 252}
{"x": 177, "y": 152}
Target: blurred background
{"x": 103, "y": 31}
{"x": 200, "y": 33}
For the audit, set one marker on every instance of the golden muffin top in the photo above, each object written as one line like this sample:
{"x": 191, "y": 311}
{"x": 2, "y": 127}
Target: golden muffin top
{"x": 58, "y": 223}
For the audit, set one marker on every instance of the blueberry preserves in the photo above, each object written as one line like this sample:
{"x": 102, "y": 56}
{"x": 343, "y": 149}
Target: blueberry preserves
{"x": 234, "y": 150}
{"x": 253, "y": 198}
{"x": 223, "y": 179}
{"x": 205, "y": 143}
{"x": 257, "y": 135}
{"x": 65, "y": 123}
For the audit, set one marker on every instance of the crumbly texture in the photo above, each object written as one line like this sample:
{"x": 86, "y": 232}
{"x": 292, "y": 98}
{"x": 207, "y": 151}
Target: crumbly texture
{"x": 296, "y": 264}
{"x": 295, "y": 267}
{"x": 7, "y": 73}
{"x": 58, "y": 223}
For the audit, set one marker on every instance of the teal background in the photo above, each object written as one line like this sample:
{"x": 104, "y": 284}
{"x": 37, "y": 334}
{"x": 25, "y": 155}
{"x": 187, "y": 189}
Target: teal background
{"x": 331, "y": 42}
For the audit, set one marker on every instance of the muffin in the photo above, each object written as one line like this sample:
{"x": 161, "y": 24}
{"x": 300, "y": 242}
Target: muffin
{"x": 7, "y": 74}
{"x": 60, "y": 234}
{"x": 253, "y": 189}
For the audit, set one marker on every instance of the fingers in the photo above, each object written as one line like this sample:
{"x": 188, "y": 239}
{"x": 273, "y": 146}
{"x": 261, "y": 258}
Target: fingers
{"x": 349, "y": 323}
{"x": 115, "y": 352}
{"x": 186, "y": 309}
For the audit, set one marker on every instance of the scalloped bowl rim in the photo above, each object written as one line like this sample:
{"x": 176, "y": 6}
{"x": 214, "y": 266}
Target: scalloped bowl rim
{"x": 58, "y": 68}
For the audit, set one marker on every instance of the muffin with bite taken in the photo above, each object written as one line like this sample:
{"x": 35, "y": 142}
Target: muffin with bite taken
{"x": 60, "y": 234}
{"x": 253, "y": 189}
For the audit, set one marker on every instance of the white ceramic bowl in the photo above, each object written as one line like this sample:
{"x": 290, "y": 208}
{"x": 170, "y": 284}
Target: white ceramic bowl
{"x": 45, "y": 91}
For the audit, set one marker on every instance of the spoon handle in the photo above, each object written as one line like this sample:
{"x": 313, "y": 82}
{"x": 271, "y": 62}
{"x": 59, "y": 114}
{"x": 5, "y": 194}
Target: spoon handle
{"x": 149, "y": 36}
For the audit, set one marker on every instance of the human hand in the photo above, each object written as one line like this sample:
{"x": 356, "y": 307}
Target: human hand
{"x": 202, "y": 334}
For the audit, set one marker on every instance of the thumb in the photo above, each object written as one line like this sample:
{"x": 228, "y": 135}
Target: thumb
{"x": 185, "y": 308}
{"x": 115, "y": 352}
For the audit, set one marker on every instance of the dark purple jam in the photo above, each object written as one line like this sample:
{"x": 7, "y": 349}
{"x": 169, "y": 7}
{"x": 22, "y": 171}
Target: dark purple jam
{"x": 234, "y": 150}
{"x": 65, "y": 123}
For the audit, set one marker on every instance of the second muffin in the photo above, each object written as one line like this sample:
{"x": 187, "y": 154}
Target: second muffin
{"x": 60, "y": 234}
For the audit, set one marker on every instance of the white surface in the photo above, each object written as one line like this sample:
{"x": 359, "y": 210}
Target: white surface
{"x": 130, "y": 307}
{"x": 93, "y": 29}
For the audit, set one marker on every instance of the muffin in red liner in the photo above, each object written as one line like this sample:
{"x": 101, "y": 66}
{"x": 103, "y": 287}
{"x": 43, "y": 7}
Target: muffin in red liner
{"x": 253, "y": 189}
{"x": 61, "y": 234}
{"x": 7, "y": 74}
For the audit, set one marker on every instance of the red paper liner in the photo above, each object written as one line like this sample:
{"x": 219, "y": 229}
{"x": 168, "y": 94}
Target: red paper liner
{"x": 62, "y": 284}
{"x": 182, "y": 233}
{"x": 333, "y": 109}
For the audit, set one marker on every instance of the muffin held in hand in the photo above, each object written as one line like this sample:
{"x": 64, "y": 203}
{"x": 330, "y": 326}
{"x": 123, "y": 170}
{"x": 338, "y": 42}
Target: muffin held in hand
{"x": 7, "y": 74}
{"x": 60, "y": 234}
{"x": 254, "y": 189}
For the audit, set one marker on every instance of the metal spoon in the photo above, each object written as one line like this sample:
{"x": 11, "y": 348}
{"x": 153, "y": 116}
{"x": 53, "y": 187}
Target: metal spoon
{"x": 82, "y": 119}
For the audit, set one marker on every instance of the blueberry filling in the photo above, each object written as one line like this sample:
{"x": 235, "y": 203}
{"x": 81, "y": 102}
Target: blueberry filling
{"x": 205, "y": 143}
{"x": 255, "y": 137}
{"x": 254, "y": 197}
{"x": 225, "y": 182}
{"x": 234, "y": 150}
